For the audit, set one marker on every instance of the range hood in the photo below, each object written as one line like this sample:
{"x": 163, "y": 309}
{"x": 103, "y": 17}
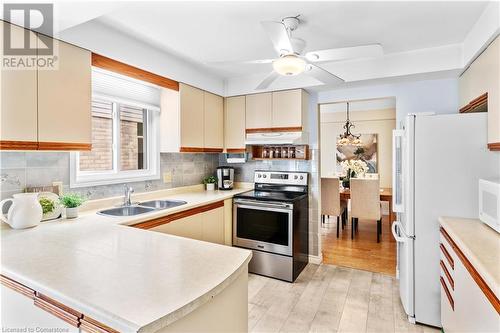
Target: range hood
{"x": 277, "y": 138}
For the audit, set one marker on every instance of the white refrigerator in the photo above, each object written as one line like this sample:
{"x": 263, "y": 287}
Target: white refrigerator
{"x": 437, "y": 163}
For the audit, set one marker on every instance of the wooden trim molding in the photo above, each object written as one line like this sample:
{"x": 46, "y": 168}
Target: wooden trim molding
{"x": 16, "y": 286}
{"x": 448, "y": 275}
{"x": 473, "y": 272}
{"x": 236, "y": 150}
{"x": 90, "y": 325}
{"x": 134, "y": 72}
{"x": 200, "y": 150}
{"x": 176, "y": 216}
{"x": 64, "y": 146}
{"x": 18, "y": 145}
{"x": 273, "y": 129}
{"x": 494, "y": 146}
{"x": 476, "y": 105}
{"x": 447, "y": 256}
{"x": 59, "y": 310}
{"x": 448, "y": 294}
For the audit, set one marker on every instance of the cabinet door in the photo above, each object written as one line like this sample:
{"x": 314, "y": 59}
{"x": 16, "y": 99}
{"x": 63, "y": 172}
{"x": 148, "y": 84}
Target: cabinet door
{"x": 473, "y": 311}
{"x": 213, "y": 225}
{"x": 259, "y": 111}
{"x": 18, "y": 110}
{"x": 189, "y": 227}
{"x": 64, "y": 99}
{"x": 287, "y": 108}
{"x": 192, "y": 117}
{"x": 235, "y": 122}
{"x": 214, "y": 121}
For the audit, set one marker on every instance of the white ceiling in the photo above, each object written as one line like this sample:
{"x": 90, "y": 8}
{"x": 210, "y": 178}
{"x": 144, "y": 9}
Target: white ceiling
{"x": 205, "y": 32}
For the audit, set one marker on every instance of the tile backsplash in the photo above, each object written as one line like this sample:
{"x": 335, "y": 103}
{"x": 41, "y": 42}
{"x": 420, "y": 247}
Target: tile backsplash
{"x": 21, "y": 169}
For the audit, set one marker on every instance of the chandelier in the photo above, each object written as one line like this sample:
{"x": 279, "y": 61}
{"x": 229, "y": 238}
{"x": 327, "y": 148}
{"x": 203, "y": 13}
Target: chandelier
{"x": 347, "y": 138}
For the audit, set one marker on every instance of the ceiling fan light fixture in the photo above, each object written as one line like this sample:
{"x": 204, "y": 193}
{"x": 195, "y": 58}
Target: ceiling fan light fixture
{"x": 289, "y": 65}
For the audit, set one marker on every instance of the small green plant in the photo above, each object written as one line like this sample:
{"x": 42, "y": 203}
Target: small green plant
{"x": 48, "y": 205}
{"x": 72, "y": 200}
{"x": 210, "y": 180}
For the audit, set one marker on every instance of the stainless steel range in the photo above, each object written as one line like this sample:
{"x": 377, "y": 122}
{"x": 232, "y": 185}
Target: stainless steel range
{"x": 272, "y": 220}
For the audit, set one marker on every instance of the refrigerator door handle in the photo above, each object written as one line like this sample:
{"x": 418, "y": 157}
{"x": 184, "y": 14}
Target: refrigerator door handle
{"x": 395, "y": 232}
{"x": 397, "y": 170}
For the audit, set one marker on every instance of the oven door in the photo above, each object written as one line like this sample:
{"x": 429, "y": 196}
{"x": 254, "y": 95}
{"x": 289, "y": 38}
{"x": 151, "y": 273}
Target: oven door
{"x": 264, "y": 226}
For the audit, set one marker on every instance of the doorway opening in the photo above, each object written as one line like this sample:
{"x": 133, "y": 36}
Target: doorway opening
{"x": 357, "y": 245}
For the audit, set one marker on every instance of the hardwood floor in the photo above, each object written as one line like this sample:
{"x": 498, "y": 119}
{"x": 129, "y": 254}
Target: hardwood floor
{"x": 328, "y": 298}
{"x": 363, "y": 252}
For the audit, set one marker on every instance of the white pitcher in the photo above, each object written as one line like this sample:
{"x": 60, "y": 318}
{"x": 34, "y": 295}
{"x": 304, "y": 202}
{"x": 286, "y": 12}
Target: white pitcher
{"x": 24, "y": 212}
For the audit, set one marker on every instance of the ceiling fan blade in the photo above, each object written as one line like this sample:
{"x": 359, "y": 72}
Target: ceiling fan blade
{"x": 363, "y": 51}
{"x": 279, "y": 36}
{"x": 323, "y": 75}
{"x": 268, "y": 80}
{"x": 243, "y": 62}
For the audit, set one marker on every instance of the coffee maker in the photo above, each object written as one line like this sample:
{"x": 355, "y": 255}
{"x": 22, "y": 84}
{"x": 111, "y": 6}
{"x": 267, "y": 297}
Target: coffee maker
{"x": 225, "y": 177}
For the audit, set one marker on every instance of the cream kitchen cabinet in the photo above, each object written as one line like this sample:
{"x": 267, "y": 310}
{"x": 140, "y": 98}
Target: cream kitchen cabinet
{"x": 191, "y": 120}
{"x": 64, "y": 99}
{"x": 47, "y": 108}
{"x": 464, "y": 304}
{"x": 208, "y": 223}
{"x": 192, "y": 117}
{"x": 289, "y": 109}
{"x": 259, "y": 111}
{"x": 18, "y": 114}
{"x": 482, "y": 77}
{"x": 285, "y": 110}
{"x": 213, "y": 131}
{"x": 234, "y": 124}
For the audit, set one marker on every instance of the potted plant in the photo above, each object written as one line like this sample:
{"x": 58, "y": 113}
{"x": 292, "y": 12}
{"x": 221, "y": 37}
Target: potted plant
{"x": 210, "y": 182}
{"x": 72, "y": 201}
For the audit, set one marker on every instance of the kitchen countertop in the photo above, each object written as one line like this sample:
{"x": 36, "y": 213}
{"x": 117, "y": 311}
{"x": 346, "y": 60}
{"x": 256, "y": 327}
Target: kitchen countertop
{"x": 127, "y": 278}
{"x": 480, "y": 244}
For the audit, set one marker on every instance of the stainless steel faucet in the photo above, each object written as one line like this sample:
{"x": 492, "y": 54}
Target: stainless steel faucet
{"x": 127, "y": 200}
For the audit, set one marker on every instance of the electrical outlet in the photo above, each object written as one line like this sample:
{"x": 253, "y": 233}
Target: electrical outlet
{"x": 167, "y": 177}
{"x": 59, "y": 187}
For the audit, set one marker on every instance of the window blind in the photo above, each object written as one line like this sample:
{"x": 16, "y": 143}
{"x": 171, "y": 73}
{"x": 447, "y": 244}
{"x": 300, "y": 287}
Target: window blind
{"x": 126, "y": 90}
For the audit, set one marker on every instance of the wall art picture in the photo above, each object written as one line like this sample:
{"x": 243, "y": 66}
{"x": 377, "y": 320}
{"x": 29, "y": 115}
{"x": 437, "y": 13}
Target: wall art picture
{"x": 366, "y": 152}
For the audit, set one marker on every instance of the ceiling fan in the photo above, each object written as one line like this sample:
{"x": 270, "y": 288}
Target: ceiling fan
{"x": 291, "y": 61}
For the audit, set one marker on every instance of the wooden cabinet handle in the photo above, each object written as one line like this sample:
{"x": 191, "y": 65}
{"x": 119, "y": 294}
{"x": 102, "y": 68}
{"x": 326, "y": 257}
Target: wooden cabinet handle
{"x": 16, "y": 286}
{"x": 448, "y": 275}
{"x": 447, "y": 256}
{"x": 53, "y": 309}
{"x": 448, "y": 294}
{"x": 90, "y": 325}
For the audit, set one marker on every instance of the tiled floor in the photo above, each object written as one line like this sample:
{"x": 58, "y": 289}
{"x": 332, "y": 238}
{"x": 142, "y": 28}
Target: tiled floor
{"x": 327, "y": 298}
{"x": 363, "y": 252}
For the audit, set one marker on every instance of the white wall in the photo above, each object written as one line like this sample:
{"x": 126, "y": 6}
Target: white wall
{"x": 438, "y": 96}
{"x": 106, "y": 41}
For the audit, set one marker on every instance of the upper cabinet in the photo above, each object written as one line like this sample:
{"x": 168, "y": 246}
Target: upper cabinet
{"x": 259, "y": 111}
{"x": 234, "y": 123}
{"x": 47, "y": 108}
{"x": 213, "y": 121}
{"x": 64, "y": 95}
{"x": 192, "y": 124}
{"x": 192, "y": 120}
{"x": 18, "y": 113}
{"x": 277, "y": 111}
{"x": 480, "y": 78}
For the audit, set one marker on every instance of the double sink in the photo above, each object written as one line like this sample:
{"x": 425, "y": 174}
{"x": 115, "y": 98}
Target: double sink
{"x": 141, "y": 208}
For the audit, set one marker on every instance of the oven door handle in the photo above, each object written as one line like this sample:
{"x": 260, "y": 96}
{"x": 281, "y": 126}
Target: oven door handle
{"x": 247, "y": 203}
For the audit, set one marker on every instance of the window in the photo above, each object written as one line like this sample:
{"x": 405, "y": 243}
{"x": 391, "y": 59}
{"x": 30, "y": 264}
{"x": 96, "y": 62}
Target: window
{"x": 125, "y": 115}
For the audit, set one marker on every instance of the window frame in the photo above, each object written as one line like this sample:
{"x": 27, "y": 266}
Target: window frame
{"x": 116, "y": 176}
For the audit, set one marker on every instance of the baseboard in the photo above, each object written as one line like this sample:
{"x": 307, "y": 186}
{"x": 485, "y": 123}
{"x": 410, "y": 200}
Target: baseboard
{"x": 316, "y": 259}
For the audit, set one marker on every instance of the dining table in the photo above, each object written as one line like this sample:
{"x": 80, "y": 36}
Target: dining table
{"x": 385, "y": 195}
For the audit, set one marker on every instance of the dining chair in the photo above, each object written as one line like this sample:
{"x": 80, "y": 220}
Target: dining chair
{"x": 365, "y": 203}
{"x": 331, "y": 205}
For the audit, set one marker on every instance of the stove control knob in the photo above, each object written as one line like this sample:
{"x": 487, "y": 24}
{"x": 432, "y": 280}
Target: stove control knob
{"x": 295, "y": 177}
{"x": 301, "y": 177}
{"x": 265, "y": 176}
{"x": 259, "y": 175}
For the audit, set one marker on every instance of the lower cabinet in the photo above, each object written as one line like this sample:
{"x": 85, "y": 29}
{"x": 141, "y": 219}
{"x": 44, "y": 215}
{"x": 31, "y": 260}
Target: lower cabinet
{"x": 464, "y": 304}
{"x": 207, "y": 223}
